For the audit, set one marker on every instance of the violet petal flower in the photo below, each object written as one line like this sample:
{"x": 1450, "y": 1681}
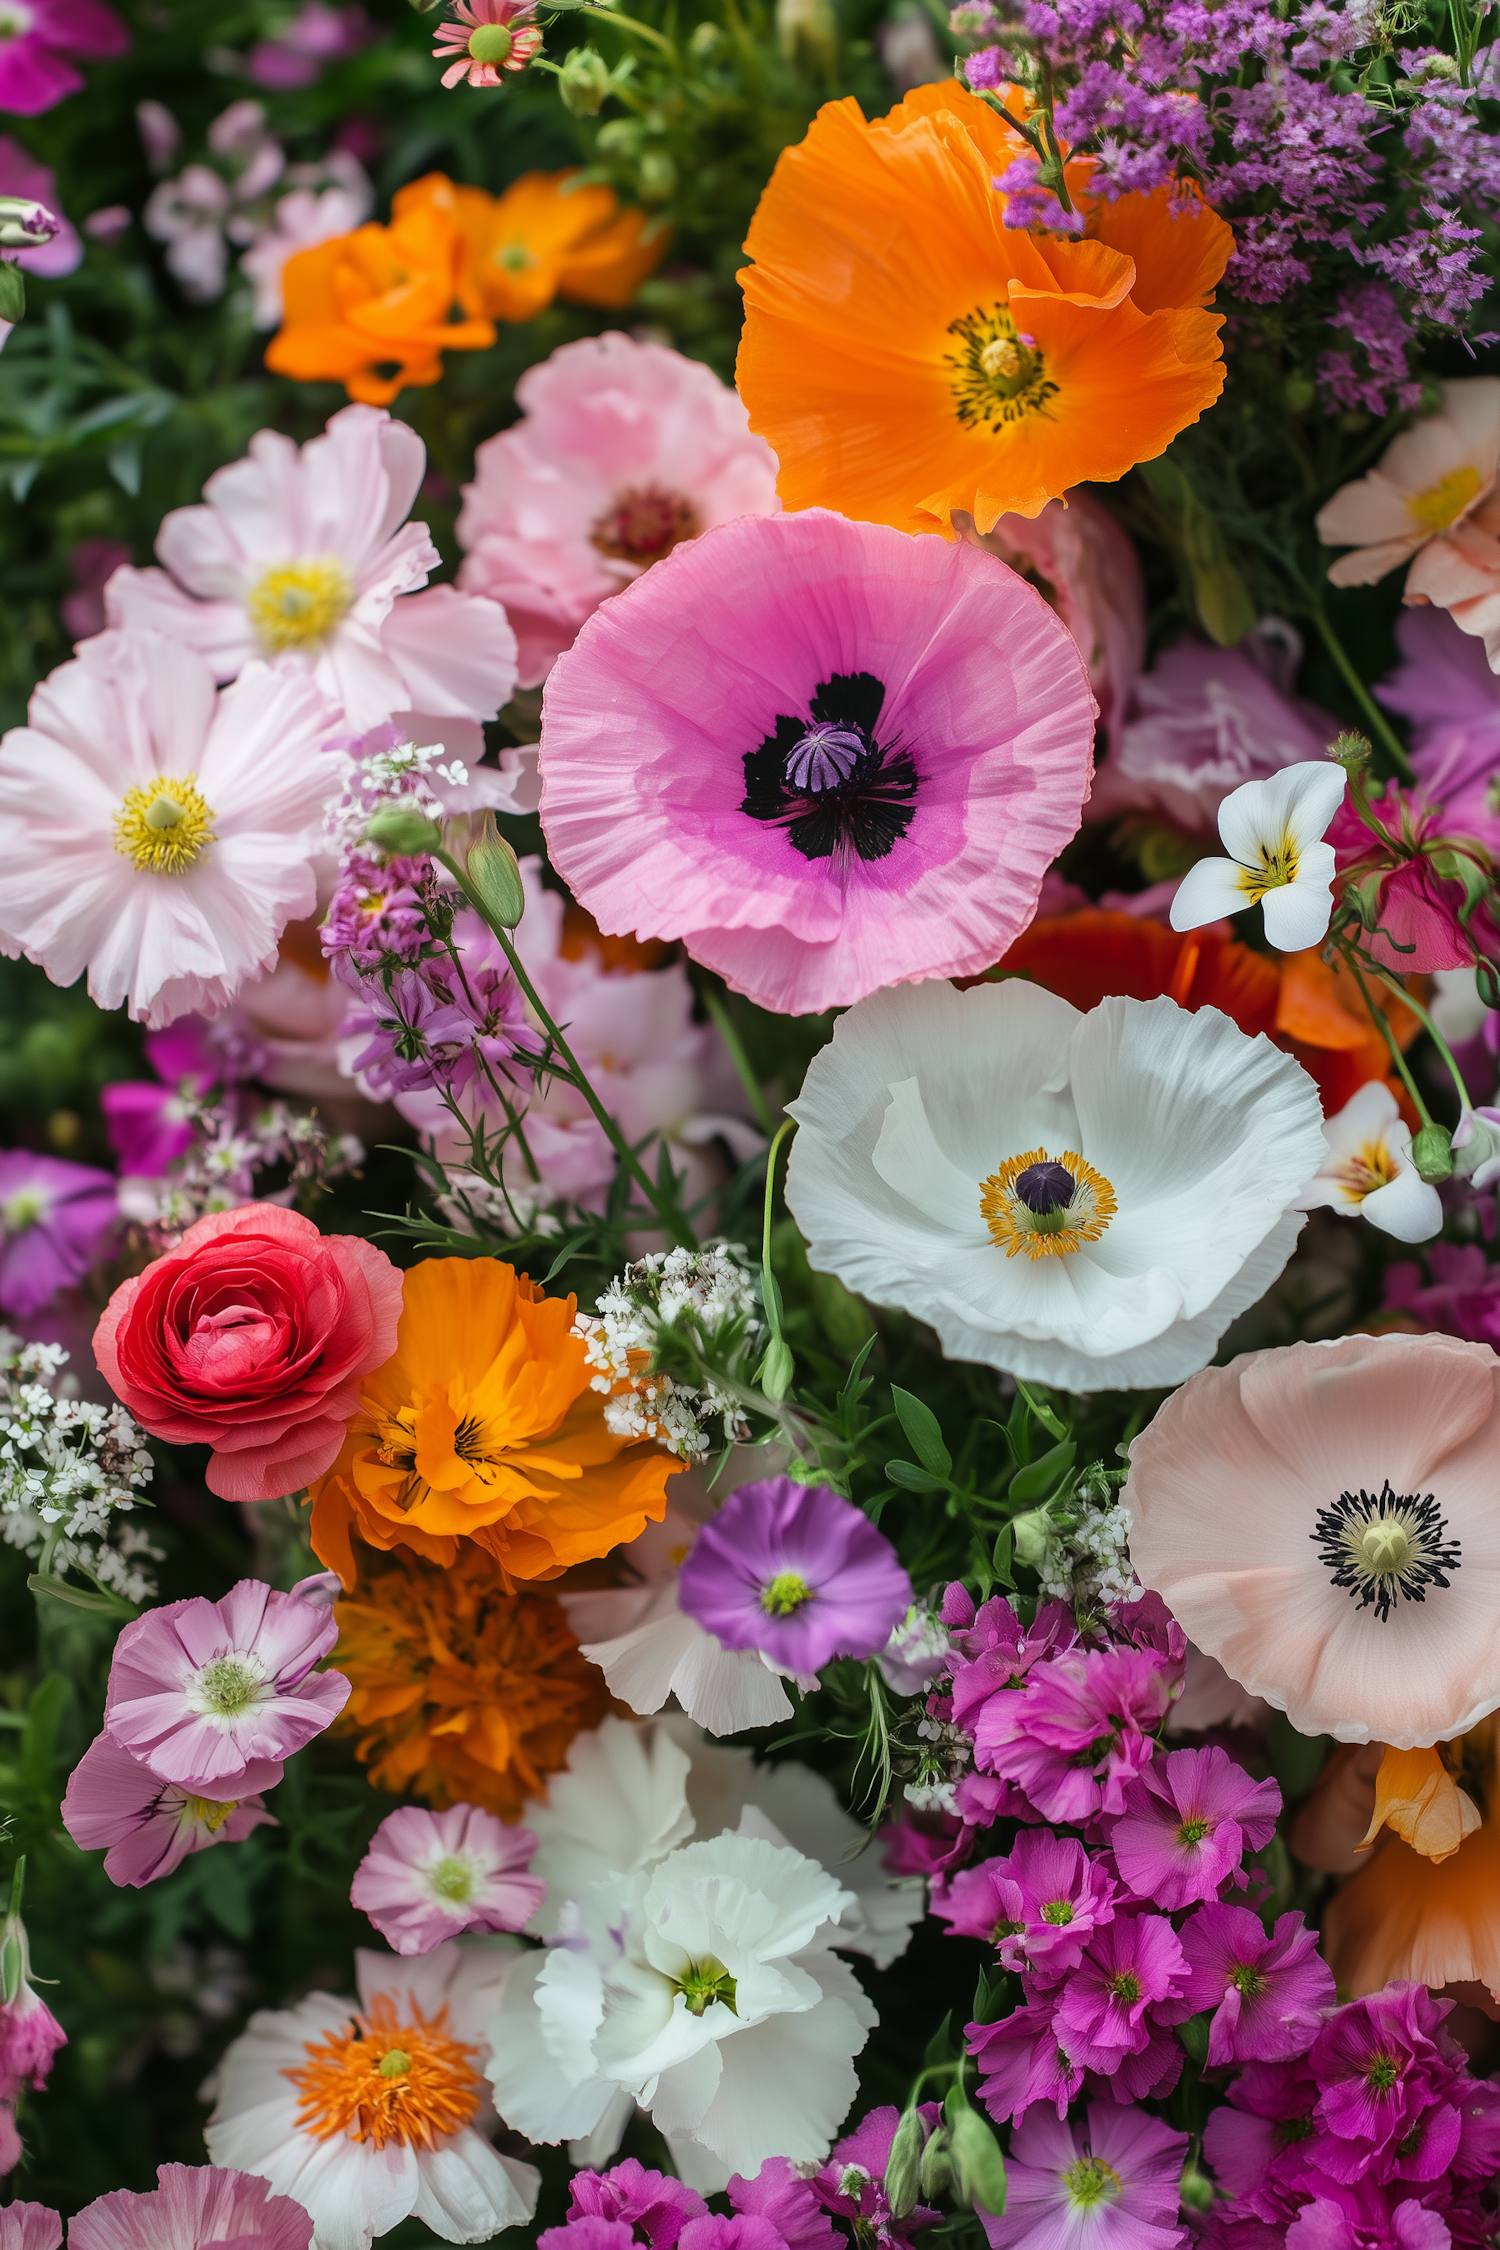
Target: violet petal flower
{"x": 796, "y": 1572}
{"x": 54, "y": 1217}
{"x": 1381, "y": 2061}
{"x": 214, "y": 1696}
{"x": 1109, "y": 2177}
{"x": 851, "y": 2184}
{"x": 1022, "y": 2060}
{"x": 1077, "y": 1730}
{"x": 1189, "y": 1819}
{"x": 429, "y": 1876}
{"x": 144, "y": 1826}
{"x": 780, "y": 2196}
{"x": 1268, "y": 1991}
{"x": 1039, "y": 1905}
{"x": 149, "y": 1125}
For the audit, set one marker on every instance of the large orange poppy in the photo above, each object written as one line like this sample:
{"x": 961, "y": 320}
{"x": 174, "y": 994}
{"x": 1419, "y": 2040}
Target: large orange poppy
{"x": 906, "y": 354}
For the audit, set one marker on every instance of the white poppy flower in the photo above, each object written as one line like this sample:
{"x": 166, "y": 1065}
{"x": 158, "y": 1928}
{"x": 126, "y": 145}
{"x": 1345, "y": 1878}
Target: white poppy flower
{"x": 704, "y": 1990}
{"x": 1273, "y": 832}
{"x": 1368, "y": 1170}
{"x": 1087, "y": 1200}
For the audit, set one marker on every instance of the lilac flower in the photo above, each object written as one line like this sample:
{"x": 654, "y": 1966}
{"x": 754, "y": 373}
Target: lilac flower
{"x": 377, "y": 917}
{"x": 796, "y": 1572}
{"x": 1109, "y": 2177}
{"x": 1021, "y": 2061}
{"x": 1381, "y": 2062}
{"x": 1268, "y": 1992}
{"x": 1189, "y": 1819}
{"x": 1077, "y": 1729}
{"x": 419, "y": 1035}
{"x": 1263, "y": 2143}
{"x": 149, "y": 1125}
{"x": 851, "y": 2184}
{"x": 429, "y": 1876}
{"x": 652, "y": 2208}
{"x": 1133, "y": 1979}
{"x": 54, "y": 1218}
{"x": 214, "y": 1696}
{"x": 1379, "y": 331}
{"x": 1039, "y": 1905}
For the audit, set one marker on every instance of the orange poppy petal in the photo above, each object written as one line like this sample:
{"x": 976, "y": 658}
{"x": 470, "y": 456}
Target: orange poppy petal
{"x": 1179, "y": 260}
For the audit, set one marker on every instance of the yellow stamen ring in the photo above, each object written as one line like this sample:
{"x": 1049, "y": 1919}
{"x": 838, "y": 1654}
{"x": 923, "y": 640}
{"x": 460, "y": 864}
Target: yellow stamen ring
{"x": 165, "y": 827}
{"x": 1013, "y": 1226}
{"x": 298, "y": 604}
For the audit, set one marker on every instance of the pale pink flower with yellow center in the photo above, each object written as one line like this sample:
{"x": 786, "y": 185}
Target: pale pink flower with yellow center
{"x": 486, "y": 36}
{"x": 428, "y": 1876}
{"x": 1430, "y": 479}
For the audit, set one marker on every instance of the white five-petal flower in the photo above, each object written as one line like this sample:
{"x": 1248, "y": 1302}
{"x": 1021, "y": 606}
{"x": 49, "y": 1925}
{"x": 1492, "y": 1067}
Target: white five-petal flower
{"x": 1368, "y": 1171}
{"x": 1273, "y": 833}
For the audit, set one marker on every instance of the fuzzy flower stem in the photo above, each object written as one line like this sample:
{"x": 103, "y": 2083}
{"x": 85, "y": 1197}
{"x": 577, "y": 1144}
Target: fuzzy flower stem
{"x": 1382, "y": 1024}
{"x": 1379, "y": 725}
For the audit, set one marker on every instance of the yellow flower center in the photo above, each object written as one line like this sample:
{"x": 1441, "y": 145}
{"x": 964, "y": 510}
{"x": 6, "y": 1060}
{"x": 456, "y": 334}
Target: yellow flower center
{"x": 164, "y": 828}
{"x": 212, "y": 1814}
{"x": 1046, "y": 1206}
{"x": 298, "y": 604}
{"x": 383, "y": 2080}
{"x": 1442, "y": 503}
{"x": 997, "y": 377}
{"x": 785, "y": 1594}
{"x": 514, "y": 257}
{"x": 1372, "y": 1166}
{"x": 1278, "y": 866}
{"x": 1090, "y": 2182}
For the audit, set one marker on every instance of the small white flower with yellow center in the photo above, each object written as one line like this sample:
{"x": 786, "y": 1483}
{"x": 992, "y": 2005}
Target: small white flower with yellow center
{"x": 1369, "y": 1173}
{"x": 1273, "y": 832}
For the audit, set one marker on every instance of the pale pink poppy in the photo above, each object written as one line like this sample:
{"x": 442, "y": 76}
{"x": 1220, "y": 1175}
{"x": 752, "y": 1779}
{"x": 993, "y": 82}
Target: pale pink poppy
{"x": 1429, "y": 480}
{"x": 190, "y": 2207}
{"x": 305, "y": 559}
{"x": 624, "y": 450}
{"x": 25, "y": 2226}
{"x": 1321, "y": 1519}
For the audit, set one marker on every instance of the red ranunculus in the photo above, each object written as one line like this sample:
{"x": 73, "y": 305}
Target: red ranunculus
{"x": 252, "y": 1337}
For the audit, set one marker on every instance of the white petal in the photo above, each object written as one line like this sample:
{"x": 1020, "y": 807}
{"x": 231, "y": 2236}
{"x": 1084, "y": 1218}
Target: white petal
{"x": 786, "y": 2085}
{"x": 1298, "y": 802}
{"x": 467, "y": 2192}
{"x": 1405, "y": 1207}
{"x": 1297, "y": 914}
{"x": 1368, "y": 1115}
{"x": 1210, "y": 890}
{"x": 621, "y": 1804}
{"x": 913, "y": 1166}
{"x": 532, "y": 2094}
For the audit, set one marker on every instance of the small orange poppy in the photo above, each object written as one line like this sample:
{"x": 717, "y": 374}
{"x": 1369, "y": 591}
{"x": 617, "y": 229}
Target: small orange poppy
{"x": 543, "y": 238}
{"x": 907, "y": 354}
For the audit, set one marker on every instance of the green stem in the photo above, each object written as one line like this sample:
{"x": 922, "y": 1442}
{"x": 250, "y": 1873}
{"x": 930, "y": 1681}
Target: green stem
{"x": 772, "y": 1296}
{"x": 1379, "y": 725}
{"x": 645, "y": 31}
{"x": 1430, "y": 1028}
{"x": 738, "y": 1057}
{"x": 1382, "y": 1023}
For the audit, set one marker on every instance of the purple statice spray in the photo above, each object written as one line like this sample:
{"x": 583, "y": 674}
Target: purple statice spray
{"x": 797, "y": 1573}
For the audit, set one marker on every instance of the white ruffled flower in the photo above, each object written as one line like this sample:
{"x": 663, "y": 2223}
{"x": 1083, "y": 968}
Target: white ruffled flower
{"x": 1087, "y": 1200}
{"x": 1273, "y": 832}
{"x": 1368, "y": 1171}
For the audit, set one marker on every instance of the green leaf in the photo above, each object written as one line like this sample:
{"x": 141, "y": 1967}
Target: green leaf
{"x": 77, "y": 1597}
{"x": 923, "y": 1432}
{"x": 1000, "y": 1561}
{"x": 1034, "y": 1482}
{"x": 940, "y": 2046}
{"x": 1194, "y": 2037}
{"x": 912, "y": 1479}
{"x": 43, "y": 1718}
{"x": 12, "y": 293}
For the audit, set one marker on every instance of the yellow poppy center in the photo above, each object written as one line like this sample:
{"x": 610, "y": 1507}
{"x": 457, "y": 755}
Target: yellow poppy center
{"x": 383, "y": 2080}
{"x": 1442, "y": 503}
{"x": 1045, "y": 1206}
{"x": 298, "y": 604}
{"x": 166, "y": 827}
{"x": 996, "y": 373}
{"x": 1371, "y": 1166}
{"x": 1278, "y": 866}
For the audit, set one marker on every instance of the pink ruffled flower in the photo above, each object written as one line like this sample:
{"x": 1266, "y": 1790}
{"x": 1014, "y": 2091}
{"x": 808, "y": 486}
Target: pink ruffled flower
{"x": 190, "y": 2207}
{"x": 812, "y": 724}
{"x": 429, "y": 1876}
{"x": 1380, "y": 2062}
{"x": 1077, "y": 1730}
{"x": 851, "y": 2184}
{"x": 24, "y": 2226}
{"x": 1132, "y": 1980}
{"x": 1039, "y": 1905}
{"x": 215, "y": 1696}
{"x": 1021, "y": 2060}
{"x": 54, "y": 1218}
{"x": 1189, "y": 1819}
{"x": 305, "y": 559}
{"x": 994, "y": 1650}
{"x": 779, "y": 2197}
{"x": 1263, "y": 2144}
{"x": 1109, "y": 2177}
{"x": 146, "y": 1827}
{"x": 1268, "y": 1990}
{"x": 36, "y": 42}
{"x": 1362, "y": 2218}
{"x": 30, "y": 2036}
{"x": 487, "y": 36}
{"x": 648, "y": 2205}
{"x": 623, "y": 451}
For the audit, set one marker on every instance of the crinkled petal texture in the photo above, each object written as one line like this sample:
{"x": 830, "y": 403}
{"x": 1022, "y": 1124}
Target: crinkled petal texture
{"x": 252, "y": 1336}
{"x": 1205, "y": 1137}
{"x": 484, "y": 1426}
{"x": 132, "y": 707}
{"x": 1224, "y": 1492}
{"x": 651, "y": 716}
{"x": 648, "y": 1649}
{"x": 861, "y": 358}
{"x": 32, "y": 2226}
{"x": 192, "y": 2206}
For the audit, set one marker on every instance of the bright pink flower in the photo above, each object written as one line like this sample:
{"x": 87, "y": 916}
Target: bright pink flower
{"x": 144, "y": 1826}
{"x": 648, "y": 2204}
{"x": 215, "y": 1696}
{"x": 1189, "y": 1819}
{"x": 1421, "y": 883}
{"x": 37, "y": 39}
{"x": 780, "y": 2197}
{"x": 812, "y": 724}
{"x": 589, "y": 2233}
{"x": 428, "y": 1876}
{"x": 1039, "y": 1905}
{"x": 1381, "y": 2062}
{"x": 252, "y": 1337}
{"x": 30, "y": 2036}
{"x": 1132, "y": 1979}
{"x": 1109, "y": 2177}
{"x": 488, "y": 36}
{"x": 191, "y": 2207}
{"x": 994, "y": 1650}
{"x": 27, "y": 2226}
{"x": 1263, "y": 2144}
{"x": 1268, "y": 1990}
{"x": 1021, "y": 2060}
{"x": 54, "y": 1217}
{"x": 852, "y": 2183}
{"x": 1077, "y": 1729}
{"x": 623, "y": 451}
{"x": 305, "y": 559}
{"x": 1362, "y": 2218}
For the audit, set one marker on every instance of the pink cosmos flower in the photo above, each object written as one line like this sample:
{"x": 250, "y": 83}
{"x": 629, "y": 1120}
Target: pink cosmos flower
{"x": 1133, "y": 1979}
{"x": 146, "y": 1827}
{"x": 813, "y": 722}
{"x": 215, "y": 1696}
{"x": 1430, "y": 482}
{"x": 623, "y": 451}
{"x": 1039, "y": 1905}
{"x": 191, "y": 2207}
{"x": 1022, "y": 2060}
{"x": 1268, "y": 1991}
{"x": 54, "y": 1217}
{"x": 1189, "y": 1819}
{"x": 27, "y": 2226}
{"x": 37, "y": 38}
{"x": 487, "y": 36}
{"x": 1109, "y": 2177}
{"x": 1077, "y": 1729}
{"x": 157, "y": 834}
{"x": 428, "y": 1876}
{"x": 305, "y": 559}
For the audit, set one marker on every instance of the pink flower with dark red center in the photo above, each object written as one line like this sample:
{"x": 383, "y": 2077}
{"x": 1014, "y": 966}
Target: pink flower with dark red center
{"x": 215, "y": 1696}
{"x": 1077, "y": 1730}
{"x": 146, "y": 1827}
{"x": 1108, "y": 2178}
{"x": 191, "y": 2206}
{"x": 429, "y": 1876}
{"x": 37, "y": 40}
{"x": 1038, "y": 1906}
{"x": 1133, "y": 1978}
{"x": 1189, "y": 1819}
{"x": 1268, "y": 1991}
{"x": 487, "y": 36}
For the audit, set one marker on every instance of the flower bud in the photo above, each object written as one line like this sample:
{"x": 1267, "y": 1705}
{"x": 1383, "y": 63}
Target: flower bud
{"x": 25, "y": 225}
{"x": 1195, "y": 2190}
{"x": 978, "y": 2163}
{"x": 488, "y": 865}
{"x": 584, "y": 81}
{"x": 935, "y": 2177}
{"x": 12, "y": 293}
{"x": 1031, "y": 1536}
{"x": 903, "y": 2165}
{"x": 1350, "y": 750}
{"x": 400, "y": 830}
{"x": 776, "y": 1369}
{"x": 1194, "y": 2038}
{"x": 1432, "y": 1153}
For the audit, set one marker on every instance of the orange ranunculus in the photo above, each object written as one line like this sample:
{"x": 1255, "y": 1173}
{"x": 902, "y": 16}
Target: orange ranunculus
{"x": 461, "y": 1690}
{"x": 373, "y": 309}
{"x": 484, "y": 1426}
{"x": 543, "y": 238}
{"x": 907, "y": 354}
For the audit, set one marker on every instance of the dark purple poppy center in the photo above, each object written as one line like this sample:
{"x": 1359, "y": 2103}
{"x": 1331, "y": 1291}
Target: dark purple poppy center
{"x": 1046, "y": 1187}
{"x": 836, "y": 788}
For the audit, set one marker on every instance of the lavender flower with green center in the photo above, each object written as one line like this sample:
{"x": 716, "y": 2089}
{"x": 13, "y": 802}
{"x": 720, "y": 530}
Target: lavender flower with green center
{"x": 54, "y": 1217}
{"x": 796, "y": 1572}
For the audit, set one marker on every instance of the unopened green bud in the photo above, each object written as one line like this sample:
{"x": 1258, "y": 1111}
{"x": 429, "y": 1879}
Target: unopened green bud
{"x": 1350, "y": 750}
{"x": 656, "y": 176}
{"x": 978, "y": 2163}
{"x": 488, "y": 865}
{"x": 1432, "y": 1153}
{"x": 1031, "y": 1536}
{"x": 1194, "y": 2037}
{"x": 903, "y": 2165}
{"x": 584, "y": 81}
{"x": 776, "y": 1369}
{"x": 1195, "y": 2189}
{"x": 935, "y": 2174}
{"x": 400, "y": 830}
{"x": 12, "y": 293}
{"x": 1300, "y": 392}
{"x": 807, "y": 33}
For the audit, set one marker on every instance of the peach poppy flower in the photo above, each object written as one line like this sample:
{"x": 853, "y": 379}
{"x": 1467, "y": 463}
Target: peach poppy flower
{"x": 1322, "y": 1520}
{"x": 545, "y": 237}
{"x": 901, "y": 372}
{"x": 1430, "y": 480}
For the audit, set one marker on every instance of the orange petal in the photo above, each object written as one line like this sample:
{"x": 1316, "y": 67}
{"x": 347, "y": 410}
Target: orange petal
{"x": 1417, "y": 1797}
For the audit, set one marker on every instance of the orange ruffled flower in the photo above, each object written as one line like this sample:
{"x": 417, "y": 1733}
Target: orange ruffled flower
{"x": 462, "y": 1691}
{"x": 906, "y": 354}
{"x": 543, "y": 238}
{"x": 484, "y": 1427}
